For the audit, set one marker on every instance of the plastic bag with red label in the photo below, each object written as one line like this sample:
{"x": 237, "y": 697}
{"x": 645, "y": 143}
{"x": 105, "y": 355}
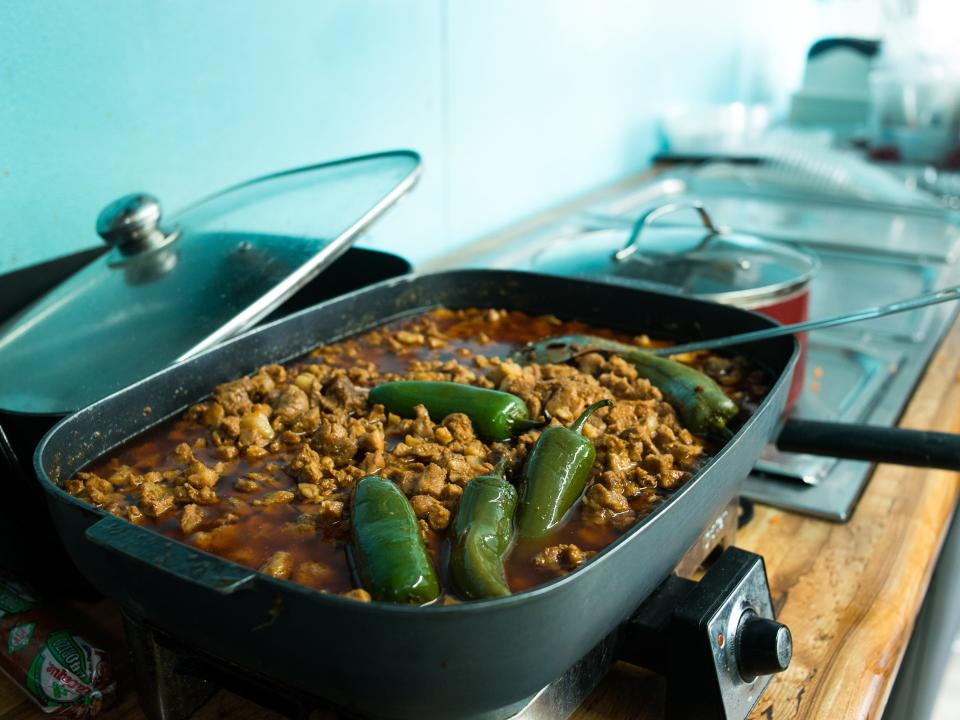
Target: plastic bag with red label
{"x": 61, "y": 672}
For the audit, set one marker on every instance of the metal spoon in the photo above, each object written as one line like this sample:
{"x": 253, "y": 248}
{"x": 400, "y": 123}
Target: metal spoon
{"x": 932, "y": 298}
{"x": 561, "y": 349}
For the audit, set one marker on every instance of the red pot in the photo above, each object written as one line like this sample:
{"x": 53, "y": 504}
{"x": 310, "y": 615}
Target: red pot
{"x": 788, "y": 309}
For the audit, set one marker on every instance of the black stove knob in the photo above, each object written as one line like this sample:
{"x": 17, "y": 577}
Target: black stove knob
{"x": 764, "y": 646}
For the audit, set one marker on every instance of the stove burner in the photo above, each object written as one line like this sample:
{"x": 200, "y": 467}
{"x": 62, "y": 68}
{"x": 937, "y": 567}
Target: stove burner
{"x": 714, "y": 640}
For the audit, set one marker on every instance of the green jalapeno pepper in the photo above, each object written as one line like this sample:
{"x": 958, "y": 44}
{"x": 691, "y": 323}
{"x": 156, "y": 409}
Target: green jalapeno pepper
{"x": 699, "y": 402}
{"x": 495, "y": 415}
{"x": 555, "y": 475}
{"x": 481, "y": 536}
{"x": 387, "y": 550}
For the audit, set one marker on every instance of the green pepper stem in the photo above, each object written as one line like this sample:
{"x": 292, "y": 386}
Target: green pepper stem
{"x": 585, "y": 415}
{"x": 521, "y": 426}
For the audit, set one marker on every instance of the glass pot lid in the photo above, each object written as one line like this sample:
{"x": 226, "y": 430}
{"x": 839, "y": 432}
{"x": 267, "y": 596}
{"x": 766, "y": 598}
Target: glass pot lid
{"x": 168, "y": 290}
{"x": 708, "y": 262}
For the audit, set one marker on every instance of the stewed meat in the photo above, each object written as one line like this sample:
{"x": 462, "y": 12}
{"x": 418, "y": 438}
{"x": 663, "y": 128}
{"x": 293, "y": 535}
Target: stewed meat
{"x": 262, "y": 472}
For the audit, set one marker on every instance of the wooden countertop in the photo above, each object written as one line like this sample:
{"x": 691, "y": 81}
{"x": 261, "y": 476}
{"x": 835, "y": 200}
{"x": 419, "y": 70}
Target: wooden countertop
{"x": 850, "y": 593}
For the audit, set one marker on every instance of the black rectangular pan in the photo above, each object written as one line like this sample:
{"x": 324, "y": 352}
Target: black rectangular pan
{"x": 458, "y": 661}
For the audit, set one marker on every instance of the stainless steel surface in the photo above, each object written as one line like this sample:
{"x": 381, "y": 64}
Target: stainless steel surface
{"x": 131, "y": 224}
{"x": 933, "y": 298}
{"x": 240, "y": 254}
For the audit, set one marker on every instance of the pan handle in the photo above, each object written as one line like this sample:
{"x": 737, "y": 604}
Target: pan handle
{"x": 186, "y": 563}
{"x": 874, "y": 443}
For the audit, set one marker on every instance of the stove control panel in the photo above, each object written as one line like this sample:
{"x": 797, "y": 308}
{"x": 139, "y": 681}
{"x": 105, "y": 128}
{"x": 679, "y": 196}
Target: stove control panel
{"x": 716, "y": 640}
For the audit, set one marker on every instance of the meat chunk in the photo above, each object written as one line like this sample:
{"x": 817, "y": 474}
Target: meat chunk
{"x": 460, "y": 427}
{"x": 278, "y": 497}
{"x": 305, "y": 524}
{"x": 233, "y": 397}
{"x": 99, "y": 490}
{"x": 246, "y": 485}
{"x": 373, "y": 440}
{"x": 331, "y": 512}
{"x": 290, "y": 403}
{"x": 279, "y": 565}
{"x": 423, "y": 451}
{"x": 155, "y": 499}
{"x": 306, "y": 465}
{"x": 312, "y": 573}
{"x": 567, "y": 397}
{"x": 561, "y": 559}
{"x": 75, "y": 485}
{"x": 191, "y": 518}
{"x": 202, "y": 476}
{"x": 431, "y": 481}
{"x": 230, "y": 426}
{"x": 309, "y": 492}
{"x": 431, "y": 510}
{"x": 459, "y": 470}
{"x": 213, "y": 415}
{"x": 255, "y": 429}
{"x": 610, "y": 499}
{"x": 334, "y": 441}
{"x": 341, "y": 393}
{"x": 182, "y": 453}
{"x": 422, "y": 426}
{"x": 591, "y": 363}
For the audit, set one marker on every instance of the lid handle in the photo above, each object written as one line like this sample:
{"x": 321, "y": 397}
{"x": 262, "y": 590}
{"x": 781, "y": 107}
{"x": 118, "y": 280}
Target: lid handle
{"x": 132, "y": 224}
{"x": 648, "y": 217}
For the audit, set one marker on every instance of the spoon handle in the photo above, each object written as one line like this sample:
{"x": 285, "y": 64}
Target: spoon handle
{"x": 932, "y": 298}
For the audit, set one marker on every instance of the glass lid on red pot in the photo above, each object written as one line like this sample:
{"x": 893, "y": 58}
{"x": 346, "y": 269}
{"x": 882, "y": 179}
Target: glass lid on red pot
{"x": 168, "y": 289}
{"x": 708, "y": 262}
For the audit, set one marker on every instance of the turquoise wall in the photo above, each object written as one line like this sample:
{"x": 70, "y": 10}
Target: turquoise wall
{"x": 515, "y": 106}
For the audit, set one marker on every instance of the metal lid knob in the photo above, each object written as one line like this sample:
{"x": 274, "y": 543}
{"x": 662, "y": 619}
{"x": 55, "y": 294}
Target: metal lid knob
{"x": 764, "y": 646}
{"x": 132, "y": 224}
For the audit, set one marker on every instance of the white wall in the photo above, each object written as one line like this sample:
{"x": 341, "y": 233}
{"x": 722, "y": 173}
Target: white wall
{"x": 514, "y": 105}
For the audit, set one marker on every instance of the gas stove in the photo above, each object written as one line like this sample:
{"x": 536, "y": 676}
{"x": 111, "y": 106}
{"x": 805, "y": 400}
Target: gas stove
{"x": 708, "y": 630}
